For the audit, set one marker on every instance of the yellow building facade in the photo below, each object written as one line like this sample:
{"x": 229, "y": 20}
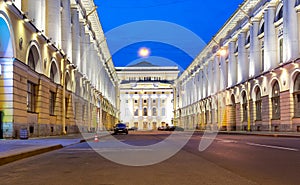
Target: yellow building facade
{"x": 56, "y": 74}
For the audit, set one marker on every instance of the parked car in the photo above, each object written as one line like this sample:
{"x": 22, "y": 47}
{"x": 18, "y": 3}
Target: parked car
{"x": 133, "y": 128}
{"x": 161, "y": 128}
{"x": 175, "y": 128}
{"x": 170, "y": 128}
{"x": 120, "y": 128}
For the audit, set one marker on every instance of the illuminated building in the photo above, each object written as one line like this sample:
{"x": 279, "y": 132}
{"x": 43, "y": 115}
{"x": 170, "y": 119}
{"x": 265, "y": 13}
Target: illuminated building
{"x": 255, "y": 85}
{"x": 146, "y": 95}
{"x": 57, "y": 75}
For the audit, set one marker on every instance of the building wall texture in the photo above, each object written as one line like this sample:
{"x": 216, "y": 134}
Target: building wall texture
{"x": 251, "y": 82}
{"x": 48, "y": 81}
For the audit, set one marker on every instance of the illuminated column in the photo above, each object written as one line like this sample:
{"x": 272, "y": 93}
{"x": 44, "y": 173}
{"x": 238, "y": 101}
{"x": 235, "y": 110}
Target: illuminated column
{"x": 232, "y": 64}
{"x": 223, "y": 73}
{"x": 18, "y": 4}
{"x": 82, "y": 47}
{"x": 210, "y": 74}
{"x": 66, "y": 32}
{"x": 53, "y": 21}
{"x": 204, "y": 81}
{"x": 254, "y": 68}
{"x": 242, "y": 64}
{"x": 216, "y": 81}
{"x": 36, "y": 11}
{"x": 86, "y": 54}
{"x": 290, "y": 31}
{"x": 270, "y": 39}
{"x": 200, "y": 84}
{"x": 75, "y": 37}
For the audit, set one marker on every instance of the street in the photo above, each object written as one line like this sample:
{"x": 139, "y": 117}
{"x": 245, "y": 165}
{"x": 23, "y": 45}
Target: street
{"x": 230, "y": 159}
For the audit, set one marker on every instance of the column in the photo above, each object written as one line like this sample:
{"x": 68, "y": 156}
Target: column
{"x": 53, "y": 21}
{"x": 223, "y": 73}
{"x": 232, "y": 64}
{"x": 75, "y": 37}
{"x": 290, "y": 31}
{"x": 82, "y": 48}
{"x": 242, "y": 64}
{"x": 255, "y": 61}
{"x": 270, "y": 39}
{"x": 66, "y": 32}
{"x": 216, "y": 81}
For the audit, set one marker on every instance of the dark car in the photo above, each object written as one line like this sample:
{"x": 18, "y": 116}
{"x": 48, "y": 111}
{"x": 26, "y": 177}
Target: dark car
{"x": 133, "y": 128}
{"x": 120, "y": 128}
{"x": 175, "y": 128}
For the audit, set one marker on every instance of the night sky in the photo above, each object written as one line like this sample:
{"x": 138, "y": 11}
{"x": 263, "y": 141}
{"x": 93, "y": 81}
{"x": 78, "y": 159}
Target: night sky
{"x": 175, "y": 31}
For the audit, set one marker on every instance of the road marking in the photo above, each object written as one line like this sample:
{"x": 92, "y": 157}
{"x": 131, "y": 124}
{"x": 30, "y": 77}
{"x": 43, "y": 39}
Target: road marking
{"x": 274, "y": 147}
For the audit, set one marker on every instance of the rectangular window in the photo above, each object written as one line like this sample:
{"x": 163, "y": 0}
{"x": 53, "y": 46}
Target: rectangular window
{"x": 280, "y": 50}
{"x": 276, "y": 107}
{"x": 66, "y": 107}
{"x": 154, "y": 101}
{"x": 52, "y": 103}
{"x": 135, "y": 101}
{"x": 262, "y": 59}
{"x": 297, "y": 104}
{"x": 258, "y": 110}
{"x": 126, "y": 101}
{"x": 163, "y": 112}
{"x": 136, "y": 112}
{"x": 145, "y": 101}
{"x": 31, "y": 97}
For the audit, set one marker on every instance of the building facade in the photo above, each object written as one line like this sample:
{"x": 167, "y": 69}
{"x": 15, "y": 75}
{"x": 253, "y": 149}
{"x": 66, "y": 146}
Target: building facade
{"x": 56, "y": 73}
{"x": 146, "y": 95}
{"x": 248, "y": 76}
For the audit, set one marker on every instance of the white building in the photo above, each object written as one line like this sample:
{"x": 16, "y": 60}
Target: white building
{"x": 146, "y": 95}
{"x": 247, "y": 77}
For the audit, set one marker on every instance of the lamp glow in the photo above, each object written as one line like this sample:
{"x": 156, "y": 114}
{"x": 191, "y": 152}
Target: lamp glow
{"x": 144, "y": 52}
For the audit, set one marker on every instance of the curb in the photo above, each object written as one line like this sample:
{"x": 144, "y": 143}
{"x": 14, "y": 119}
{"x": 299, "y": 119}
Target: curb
{"x": 261, "y": 134}
{"x": 15, "y": 157}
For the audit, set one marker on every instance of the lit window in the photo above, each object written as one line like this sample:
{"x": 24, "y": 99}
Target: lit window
{"x": 31, "y": 96}
{"x": 258, "y": 105}
{"x": 245, "y": 107}
{"x": 281, "y": 50}
{"x": 154, "y": 111}
{"x": 276, "y": 101}
{"x": 136, "y": 112}
{"x": 297, "y": 96}
{"x": 145, "y": 113}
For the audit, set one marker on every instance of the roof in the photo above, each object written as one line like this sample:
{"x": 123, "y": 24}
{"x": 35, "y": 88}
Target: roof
{"x": 142, "y": 64}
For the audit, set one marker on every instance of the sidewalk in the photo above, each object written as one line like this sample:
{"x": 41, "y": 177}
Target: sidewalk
{"x": 15, "y": 149}
{"x": 263, "y": 133}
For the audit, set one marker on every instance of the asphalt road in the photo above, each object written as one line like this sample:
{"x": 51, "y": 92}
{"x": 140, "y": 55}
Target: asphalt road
{"x": 230, "y": 159}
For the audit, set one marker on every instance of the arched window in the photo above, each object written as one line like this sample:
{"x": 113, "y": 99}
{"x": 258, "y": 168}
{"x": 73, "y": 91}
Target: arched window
{"x": 136, "y": 112}
{"x": 68, "y": 82}
{"x": 297, "y": 96}
{"x": 276, "y": 101}
{"x": 145, "y": 113}
{"x": 53, "y": 72}
{"x": 33, "y": 58}
{"x": 245, "y": 107}
{"x": 154, "y": 113}
{"x": 258, "y": 104}
{"x": 31, "y": 62}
